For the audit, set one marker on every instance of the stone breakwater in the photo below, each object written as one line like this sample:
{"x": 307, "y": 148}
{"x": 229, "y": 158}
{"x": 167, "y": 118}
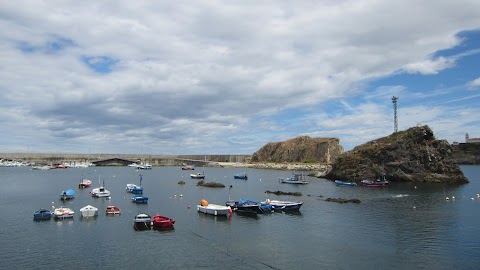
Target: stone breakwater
{"x": 317, "y": 170}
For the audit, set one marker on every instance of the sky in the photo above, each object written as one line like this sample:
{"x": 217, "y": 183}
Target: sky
{"x": 227, "y": 77}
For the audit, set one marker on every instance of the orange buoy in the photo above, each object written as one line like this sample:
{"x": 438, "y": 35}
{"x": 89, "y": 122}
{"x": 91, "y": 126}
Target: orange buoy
{"x": 203, "y": 202}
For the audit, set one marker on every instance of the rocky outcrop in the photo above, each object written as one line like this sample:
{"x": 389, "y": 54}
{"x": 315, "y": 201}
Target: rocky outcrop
{"x": 301, "y": 149}
{"x": 413, "y": 155}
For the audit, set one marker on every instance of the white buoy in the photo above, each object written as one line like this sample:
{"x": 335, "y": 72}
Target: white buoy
{"x": 415, "y": 187}
{"x": 447, "y": 198}
{"x": 414, "y": 207}
{"x": 472, "y": 199}
{"x": 453, "y": 197}
{"x": 181, "y": 195}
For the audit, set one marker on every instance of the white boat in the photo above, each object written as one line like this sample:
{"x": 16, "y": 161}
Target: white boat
{"x": 214, "y": 209}
{"x": 100, "y": 192}
{"x": 63, "y": 213}
{"x": 89, "y": 211}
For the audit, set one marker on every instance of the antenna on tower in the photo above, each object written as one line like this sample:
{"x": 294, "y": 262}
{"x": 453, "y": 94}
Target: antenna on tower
{"x": 395, "y": 122}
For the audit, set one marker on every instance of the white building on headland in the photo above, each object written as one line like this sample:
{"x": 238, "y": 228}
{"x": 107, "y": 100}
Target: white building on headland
{"x": 471, "y": 140}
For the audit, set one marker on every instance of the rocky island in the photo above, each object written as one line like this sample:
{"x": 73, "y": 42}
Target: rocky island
{"x": 412, "y": 155}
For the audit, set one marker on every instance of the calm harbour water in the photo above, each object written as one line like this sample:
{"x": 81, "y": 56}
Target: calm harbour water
{"x": 416, "y": 230}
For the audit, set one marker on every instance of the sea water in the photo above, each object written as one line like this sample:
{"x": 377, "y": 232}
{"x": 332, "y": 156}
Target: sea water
{"x": 402, "y": 226}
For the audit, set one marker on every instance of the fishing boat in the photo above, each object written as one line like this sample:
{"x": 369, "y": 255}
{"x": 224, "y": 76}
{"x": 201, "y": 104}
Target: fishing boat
{"x": 67, "y": 194}
{"x": 89, "y": 211}
{"x": 114, "y": 210}
{"x": 242, "y": 176}
{"x": 42, "y": 214}
{"x": 213, "y": 209}
{"x": 162, "y": 222}
{"x": 284, "y": 205}
{"x": 296, "y": 178}
{"x": 188, "y": 168}
{"x": 345, "y": 184}
{"x": 63, "y": 213}
{"x": 139, "y": 199}
{"x": 142, "y": 221}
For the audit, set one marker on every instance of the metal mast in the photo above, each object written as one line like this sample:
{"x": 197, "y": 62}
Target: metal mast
{"x": 395, "y": 122}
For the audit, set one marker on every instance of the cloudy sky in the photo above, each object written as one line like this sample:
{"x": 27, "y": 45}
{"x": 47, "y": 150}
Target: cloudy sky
{"x": 227, "y": 77}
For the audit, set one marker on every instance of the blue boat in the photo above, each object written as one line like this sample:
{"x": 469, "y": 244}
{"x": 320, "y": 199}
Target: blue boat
{"x": 241, "y": 176}
{"x": 42, "y": 214}
{"x": 67, "y": 194}
{"x": 139, "y": 199}
{"x": 345, "y": 184}
{"x": 132, "y": 188}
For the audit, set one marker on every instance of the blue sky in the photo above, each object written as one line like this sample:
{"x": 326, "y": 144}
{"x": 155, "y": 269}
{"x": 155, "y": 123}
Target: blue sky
{"x": 222, "y": 77}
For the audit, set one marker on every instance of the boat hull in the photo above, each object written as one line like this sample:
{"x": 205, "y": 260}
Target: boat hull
{"x": 162, "y": 222}
{"x": 345, "y": 184}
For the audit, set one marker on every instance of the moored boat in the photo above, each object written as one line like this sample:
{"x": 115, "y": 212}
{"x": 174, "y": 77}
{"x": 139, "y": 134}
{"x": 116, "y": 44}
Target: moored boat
{"x": 345, "y": 184}
{"x": 132, "y": 188}
{"x": 139, "y": 199}
{"x": 296, "y": 178}
{"x": 63, "y": 213}
{"x": 114, "y": 210}
{"x": 162, "y": 222}
{"x": 242, "y": 176}
{"x": 142, "y": 221}
{"x": 214, "y": 209}
{"x": 284, "y": 205}
{"x": 67, "y": 194}
{"x": 381, "y": 182}
{"x": 198, "y": 175}
{"x": 89, "y": 211}
{"x": 249, "y": 205}
{"x": 85, "y": 183}
{"x": 188, "y": 168}
{"x": 42, "y": 214}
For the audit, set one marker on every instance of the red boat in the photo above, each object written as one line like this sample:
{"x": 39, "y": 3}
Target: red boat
{"x": 188, "y": 168}
{"x": 85, "y": 183}
{"x": 111, "y": 209}
{"x": 162, "y": 222}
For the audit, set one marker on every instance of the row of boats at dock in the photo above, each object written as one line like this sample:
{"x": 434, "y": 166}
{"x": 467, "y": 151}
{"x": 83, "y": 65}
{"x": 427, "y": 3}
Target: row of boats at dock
{"x": 62, "y": 212}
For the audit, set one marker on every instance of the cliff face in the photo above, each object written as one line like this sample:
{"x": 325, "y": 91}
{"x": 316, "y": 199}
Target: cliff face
{"x": 300, "y": 149}
{"x": 413, "y": 155}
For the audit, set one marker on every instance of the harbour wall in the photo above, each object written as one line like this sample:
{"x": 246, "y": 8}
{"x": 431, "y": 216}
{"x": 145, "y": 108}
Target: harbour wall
{"x": 154, "y": 160}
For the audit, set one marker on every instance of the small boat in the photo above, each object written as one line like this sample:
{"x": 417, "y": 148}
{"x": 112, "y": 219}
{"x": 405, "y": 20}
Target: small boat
{"x": 345, "y": 184}
{"x": 100, "y": 192}
{"x": 197, "y": 176}
{"x": 42, "y": 214}
{"x": 67, "y": 194}
{"x": 132, "y": 188}
{"x": 142, "y": 221}
{"x": 144, "y": 167}
{"x": 284, "y": 205}
{"x": 248, "y": 205}
{"x": 377, "y": 183}
{"x": 114, "y": 210}
{"x": 62, "y": 213}
{"x": 85, "y": 183}
{"x": 214, "y": 209}
{"x": 242, "y": 176}
{"x": 296, "y": 178}
{"x": 188, "y": 168}
{"x": 139, "y": 199}
{"x": 89, "y": 211}
{"x": 162, "y": 222}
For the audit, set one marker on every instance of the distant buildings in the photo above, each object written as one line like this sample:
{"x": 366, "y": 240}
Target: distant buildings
{"x": 471, "y": 140}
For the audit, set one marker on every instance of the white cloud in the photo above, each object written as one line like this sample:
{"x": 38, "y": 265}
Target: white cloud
{"x": 429, "y": 66}
{"x": 474, "y": 84}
